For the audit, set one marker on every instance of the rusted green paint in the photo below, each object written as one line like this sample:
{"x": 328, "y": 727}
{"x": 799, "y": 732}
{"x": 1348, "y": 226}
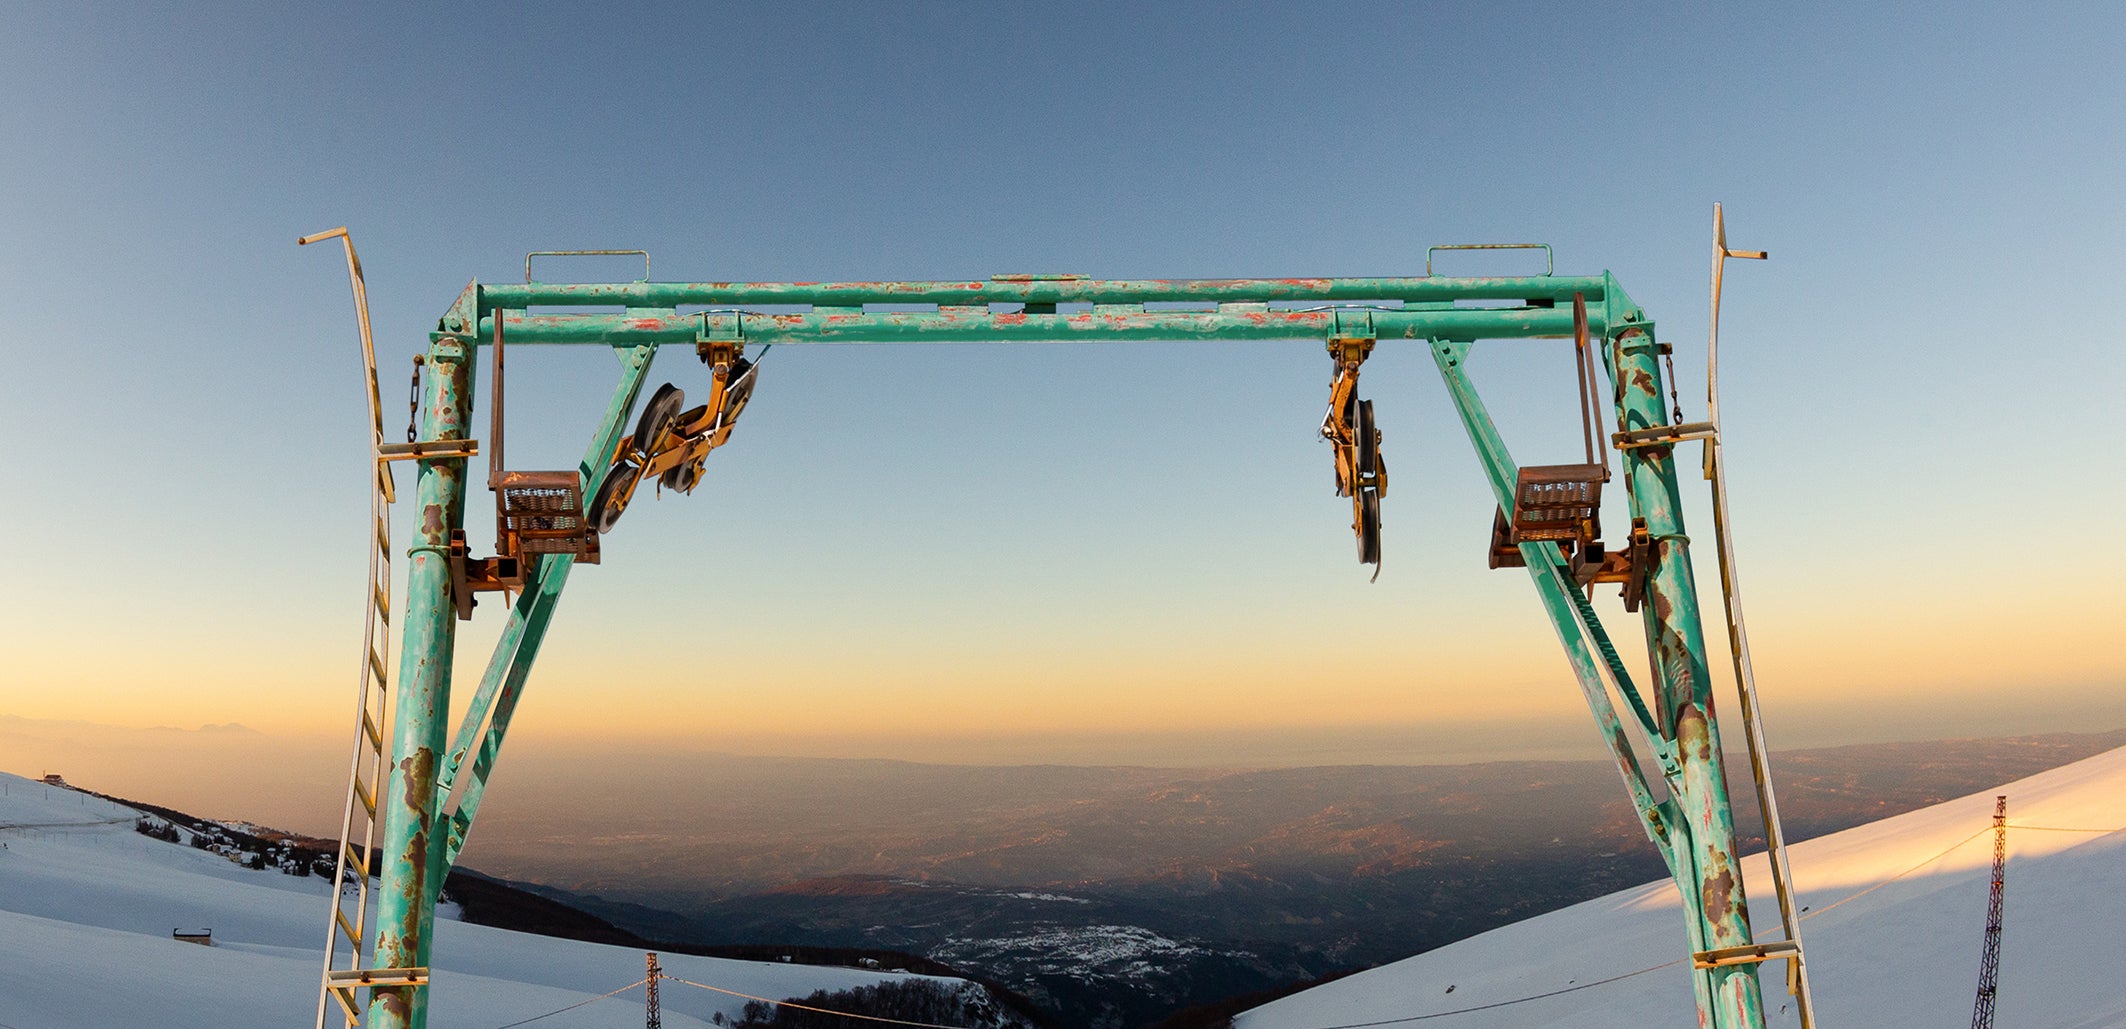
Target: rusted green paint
{"x": 1730, "y": 997}
{"x": 1039, "y": 290}
{"x": 405, "y": 913}
{"x": 1693, "y": 828}
{"x": 983, "y": 326}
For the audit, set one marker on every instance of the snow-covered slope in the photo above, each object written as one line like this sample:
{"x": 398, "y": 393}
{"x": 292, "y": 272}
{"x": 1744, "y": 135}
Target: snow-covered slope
{"x": 1906, "y": 954}
{"x": 87, "y": 906}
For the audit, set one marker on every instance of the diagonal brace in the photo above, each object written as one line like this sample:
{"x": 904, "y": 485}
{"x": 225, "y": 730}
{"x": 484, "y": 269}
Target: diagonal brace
{"x": 503, "y": 683}
{"x": 1576, "y": 628}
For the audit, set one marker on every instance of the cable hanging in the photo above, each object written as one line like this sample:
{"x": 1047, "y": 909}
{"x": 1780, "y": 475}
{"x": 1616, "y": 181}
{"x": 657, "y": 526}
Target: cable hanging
{"x": 1945, "y": 852}
{"x": 808, "y": 1007}
{"x": 572, "y": 1007}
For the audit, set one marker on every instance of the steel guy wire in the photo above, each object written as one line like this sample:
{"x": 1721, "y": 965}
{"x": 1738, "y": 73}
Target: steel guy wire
{"x": 1671, "y": 964}
{"x": 574, "y": 1006}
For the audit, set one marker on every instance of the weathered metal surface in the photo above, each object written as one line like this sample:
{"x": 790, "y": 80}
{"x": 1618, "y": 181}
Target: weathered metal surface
{"x": 982, "y": 326}
{"x": 1557, "y": 502}
{"x": 1692, "y": 828}
{"x": 1032, "y": 289}
{"x": 405, "y": 915}
{"x": 1729, "y": 996}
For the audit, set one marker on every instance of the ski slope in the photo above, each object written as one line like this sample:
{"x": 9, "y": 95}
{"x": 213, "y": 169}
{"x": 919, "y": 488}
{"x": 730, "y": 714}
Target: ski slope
{"x": 1905, "y": 954}
{"x": 87, "y": 906}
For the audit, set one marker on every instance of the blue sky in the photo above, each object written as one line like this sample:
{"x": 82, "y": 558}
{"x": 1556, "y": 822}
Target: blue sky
{"x": 914, "y": 551}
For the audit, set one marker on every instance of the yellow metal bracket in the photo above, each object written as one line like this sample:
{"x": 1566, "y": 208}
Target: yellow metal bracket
{"x": 428, "y": 450}
{"x": 1747, "y": 954}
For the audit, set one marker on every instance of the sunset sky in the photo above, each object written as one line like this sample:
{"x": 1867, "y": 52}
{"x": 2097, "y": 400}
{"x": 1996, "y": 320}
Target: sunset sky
{"x": 1069, "y": 553}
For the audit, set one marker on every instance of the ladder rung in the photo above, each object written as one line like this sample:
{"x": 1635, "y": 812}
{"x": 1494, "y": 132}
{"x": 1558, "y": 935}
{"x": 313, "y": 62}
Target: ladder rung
{"x": 358, "y": 861}
{"x": 348, "y": 929}
{"x": 376, "y": 665}
{"x": 356, "y": 978}
{"x": 368, "y": 799}
{"x": 384, "y": 483}
{"x": 383, "y": 602}
{"x": 383, "y": 536}
{"x": 370, "y": 729}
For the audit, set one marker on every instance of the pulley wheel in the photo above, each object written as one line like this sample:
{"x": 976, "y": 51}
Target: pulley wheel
{"x": 737, "y": 391}
{"x": 1368, "y": 527}
{"x": 681, "y": 477}
{"x": 658, "y": 414}
{"x": 1368, "y": 440}
{"x": 612, "y": 497}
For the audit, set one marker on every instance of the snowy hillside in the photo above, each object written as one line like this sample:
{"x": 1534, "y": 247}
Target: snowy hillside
{"x": 1905, "y": 954}
{"x": 87, "y": 906}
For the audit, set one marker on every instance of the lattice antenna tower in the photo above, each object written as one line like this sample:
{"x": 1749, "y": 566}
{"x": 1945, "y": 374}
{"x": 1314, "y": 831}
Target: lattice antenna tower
{"x": 651, "y": 1019}
{"x": 1989, "y": 962}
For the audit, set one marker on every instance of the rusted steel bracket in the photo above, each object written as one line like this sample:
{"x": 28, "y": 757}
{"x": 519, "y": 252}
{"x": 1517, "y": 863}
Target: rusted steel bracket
{"x": 1662, "y": 435}
{"x": 728, "y": 327}
{"x": 342, "y": 984}
{"x": 434, "y": 450}
{"x": 471, "y": 575}
{"x": 1747, "y": 954}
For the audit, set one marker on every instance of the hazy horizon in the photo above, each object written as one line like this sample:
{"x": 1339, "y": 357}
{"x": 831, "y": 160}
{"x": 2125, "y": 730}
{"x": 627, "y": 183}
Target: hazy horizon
{"x": 296, "y": 781}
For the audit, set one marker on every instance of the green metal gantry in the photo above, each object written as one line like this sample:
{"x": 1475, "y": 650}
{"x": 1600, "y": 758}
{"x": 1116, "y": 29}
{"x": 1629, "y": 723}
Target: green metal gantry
{"x": 436, "y": 781}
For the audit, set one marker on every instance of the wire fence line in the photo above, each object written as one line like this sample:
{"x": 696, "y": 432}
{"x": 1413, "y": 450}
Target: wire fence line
{"x": 715, "y": 989}
{"x": 1503, "y": 1003}
{"x": 808, "y": 1007}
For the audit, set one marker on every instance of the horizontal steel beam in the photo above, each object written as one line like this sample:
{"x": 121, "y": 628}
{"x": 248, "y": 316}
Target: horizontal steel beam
{"x": 983, "y": 326}
{"x": 1034, "y": 290}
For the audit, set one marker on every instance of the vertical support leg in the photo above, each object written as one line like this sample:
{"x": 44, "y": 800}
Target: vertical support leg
{"x": 405, "y": 911}
{"x": 1729, "y": 996}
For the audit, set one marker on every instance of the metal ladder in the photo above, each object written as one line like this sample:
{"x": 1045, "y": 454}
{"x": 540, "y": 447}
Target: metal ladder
{"x": 1797, "y": 972}
{"x": 348, "y": 916}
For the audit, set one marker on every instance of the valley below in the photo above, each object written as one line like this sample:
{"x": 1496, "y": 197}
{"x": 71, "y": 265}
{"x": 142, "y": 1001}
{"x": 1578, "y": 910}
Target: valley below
{"x": 1117, "y": 897}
